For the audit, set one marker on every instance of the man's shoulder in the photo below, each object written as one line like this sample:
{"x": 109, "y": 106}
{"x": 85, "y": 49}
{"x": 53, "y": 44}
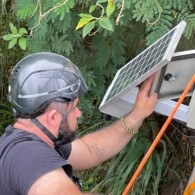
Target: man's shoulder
{"x": 16, "y": 140}
{"x": 32, "y": 149}
{"x": 24, "y": 159}
{"x": 17, "y": 145}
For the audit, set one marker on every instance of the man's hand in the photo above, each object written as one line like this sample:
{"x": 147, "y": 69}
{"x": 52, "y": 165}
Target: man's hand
{"x": 101, "y": 145}
{"x": 145, "y": 101}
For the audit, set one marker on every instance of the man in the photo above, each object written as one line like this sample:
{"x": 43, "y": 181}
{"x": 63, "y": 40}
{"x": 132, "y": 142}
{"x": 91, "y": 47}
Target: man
{"x": 39, "y": 151}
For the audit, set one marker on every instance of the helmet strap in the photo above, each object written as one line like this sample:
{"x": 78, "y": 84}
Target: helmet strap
{"x": 64, "y": 117}
{"x": 44, "y": 129}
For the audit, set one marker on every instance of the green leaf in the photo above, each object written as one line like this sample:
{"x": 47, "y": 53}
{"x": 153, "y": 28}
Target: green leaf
{"x": 12, "y": 43}
{"x": 25, "y": 9}
{"x": 106, "y": 23}
{"x": 92, "y": 8}
{"x": 69, "y": 4}
{"x": 68, "y": 47}
{"x": 13, "y": 29}
{"x": 83, "y": 21}
{"x": 82, "y": 15}
{"x": 8, "y": 37}
{"x": 87, "y": 28}
{"x": 22, "y": 31}
{"x": 102, "y": 1}
{"x": 22, "y": 43}
{"x": 110, "y": 8}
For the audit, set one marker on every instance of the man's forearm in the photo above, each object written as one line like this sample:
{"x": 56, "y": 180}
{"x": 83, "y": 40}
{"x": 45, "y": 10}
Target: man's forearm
{"x": 103, "y": 144}
{"x": 100, "y": 143}
{"x": 107, "y": 142}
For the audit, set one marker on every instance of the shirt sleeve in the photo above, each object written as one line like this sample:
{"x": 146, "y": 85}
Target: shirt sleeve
{"x": 29, "y": 160}
{"x": 65, "y": 150}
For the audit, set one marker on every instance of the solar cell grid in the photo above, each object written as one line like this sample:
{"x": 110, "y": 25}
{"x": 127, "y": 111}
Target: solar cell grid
{"x": 134, "y": 72}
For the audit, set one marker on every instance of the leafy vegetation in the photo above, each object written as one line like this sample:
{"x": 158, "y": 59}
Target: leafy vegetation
{"x": 7, "y": 60}
{"x": 16, "y": 36}
{"x": 100, "y": 37}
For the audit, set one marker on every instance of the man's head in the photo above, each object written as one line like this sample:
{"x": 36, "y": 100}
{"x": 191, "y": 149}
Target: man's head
{"x": 62, "y": 116}
{"x": 40, "y": 78}
{"x": 40, "y": 81}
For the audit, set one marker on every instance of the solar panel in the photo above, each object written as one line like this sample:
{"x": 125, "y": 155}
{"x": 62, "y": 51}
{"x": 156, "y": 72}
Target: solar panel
{"x": 144, "y": 65}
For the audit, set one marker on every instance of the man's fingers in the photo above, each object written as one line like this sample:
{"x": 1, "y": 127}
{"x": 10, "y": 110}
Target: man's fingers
{"x": 147, "y": 84}
{"x": 153, "y": 98}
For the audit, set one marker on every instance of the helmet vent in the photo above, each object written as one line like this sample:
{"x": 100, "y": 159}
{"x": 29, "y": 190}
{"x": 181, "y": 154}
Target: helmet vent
{"x": 51, "y": 74}
{"x": 52, "y": 91}
{"x": 16, "y": 70}
{"x": 72, "y": 89}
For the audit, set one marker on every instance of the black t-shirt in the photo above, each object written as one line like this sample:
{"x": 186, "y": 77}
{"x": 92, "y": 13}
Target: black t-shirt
{"x": 24, "y": 157}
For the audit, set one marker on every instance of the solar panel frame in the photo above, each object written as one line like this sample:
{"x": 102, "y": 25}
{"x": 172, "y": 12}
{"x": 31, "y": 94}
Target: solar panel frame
{"x": 165, "y": 50}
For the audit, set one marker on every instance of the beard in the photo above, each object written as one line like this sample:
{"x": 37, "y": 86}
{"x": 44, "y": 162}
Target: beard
{"x": 66, "y": 134}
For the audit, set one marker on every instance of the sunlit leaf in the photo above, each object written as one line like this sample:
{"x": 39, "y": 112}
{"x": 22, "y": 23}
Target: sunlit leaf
{"x": 102, "y": 1}
{"x": 92, "y": 8}
{"x": 22, "y": 43}
{"x": 12, "y": 43}
{"x": 83, "y": 21}
{"x": 8, "y": 37}
{"x": 88, "y": 27}
{"x": 82, "y": 15}
{"x": 106, "y": 23}
{"x": 13, "y": 29}
{"x": 110, "y": 8}
{"x": 22, "y": 31}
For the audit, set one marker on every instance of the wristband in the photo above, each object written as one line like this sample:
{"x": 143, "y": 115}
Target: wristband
{"x": 127, "y": 128}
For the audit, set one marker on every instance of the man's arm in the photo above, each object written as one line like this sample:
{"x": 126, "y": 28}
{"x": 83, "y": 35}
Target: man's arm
{"x": 55, "y": 182}
{"x": 101, "y": 145}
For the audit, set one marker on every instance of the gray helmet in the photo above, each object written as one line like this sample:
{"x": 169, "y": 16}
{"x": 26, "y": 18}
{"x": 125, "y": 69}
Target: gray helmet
{"x": 40, "y": 78}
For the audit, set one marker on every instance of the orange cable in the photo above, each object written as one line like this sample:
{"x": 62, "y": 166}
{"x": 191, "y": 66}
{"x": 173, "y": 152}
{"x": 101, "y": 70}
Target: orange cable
{"x": 190, "y": 189}
{"x": 158, "y": 137}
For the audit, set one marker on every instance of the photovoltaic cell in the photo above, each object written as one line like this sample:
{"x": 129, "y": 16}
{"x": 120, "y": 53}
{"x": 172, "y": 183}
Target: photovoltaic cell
{"x": 144, "y": 65}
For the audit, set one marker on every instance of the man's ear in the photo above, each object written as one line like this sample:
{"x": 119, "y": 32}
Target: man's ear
{"x": 53, "y": 117}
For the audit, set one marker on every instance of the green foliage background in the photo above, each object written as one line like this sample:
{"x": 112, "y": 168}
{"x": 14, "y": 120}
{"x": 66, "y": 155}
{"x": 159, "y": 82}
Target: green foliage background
{"x": 119, "y": 30}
